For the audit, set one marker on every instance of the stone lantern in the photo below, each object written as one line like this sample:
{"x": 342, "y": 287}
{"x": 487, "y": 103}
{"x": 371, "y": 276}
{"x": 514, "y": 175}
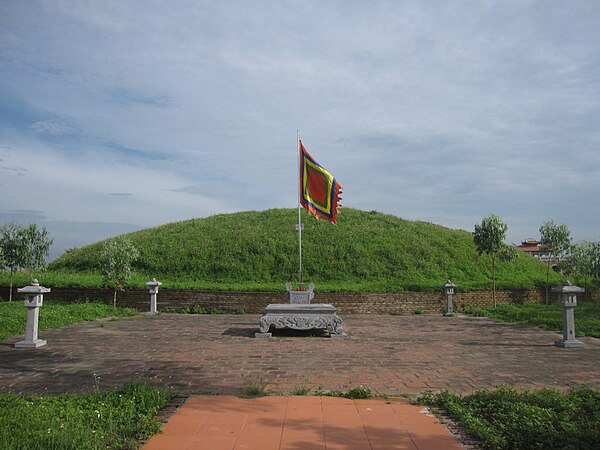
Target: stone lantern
{"x": 449, "y": 291}
{"x": 567, "y": 297}
{"x": 34, "y": 298}
{"x": 153, "y": 286}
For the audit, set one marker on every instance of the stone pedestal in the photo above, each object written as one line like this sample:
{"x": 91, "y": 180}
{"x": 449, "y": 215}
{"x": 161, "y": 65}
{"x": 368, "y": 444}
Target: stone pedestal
{"x": 34, "y": 298}
{"x": 567, "y": 295}
{"x": 300, "y": 297}
{"x": 153, "y": 285}
{"x": 301, "y": 317}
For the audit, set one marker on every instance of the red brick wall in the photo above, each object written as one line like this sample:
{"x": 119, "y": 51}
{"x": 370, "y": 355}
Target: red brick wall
{"x": 255, "y": 302}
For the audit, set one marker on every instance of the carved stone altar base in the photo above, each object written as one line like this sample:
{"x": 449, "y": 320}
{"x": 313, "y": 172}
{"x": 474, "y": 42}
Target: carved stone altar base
{"x": 301, "y": 317}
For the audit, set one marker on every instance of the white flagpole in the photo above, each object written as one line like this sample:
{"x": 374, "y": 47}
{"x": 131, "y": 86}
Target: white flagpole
{"x": 299, "y": 215}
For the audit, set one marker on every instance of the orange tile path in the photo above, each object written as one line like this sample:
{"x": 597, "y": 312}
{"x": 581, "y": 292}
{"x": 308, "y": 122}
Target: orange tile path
{"x": 296, "y": 423}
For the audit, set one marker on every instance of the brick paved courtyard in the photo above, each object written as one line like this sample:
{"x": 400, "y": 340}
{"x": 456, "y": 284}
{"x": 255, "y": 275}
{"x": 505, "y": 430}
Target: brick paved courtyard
{"x": 217, "y": 353}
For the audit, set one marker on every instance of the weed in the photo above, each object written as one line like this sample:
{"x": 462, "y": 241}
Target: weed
{"x": 358, "y": 393}
{"x": 301, "y": 390}
{"x": 194, "y": 309}
{"x": 417, "y": 311}
{"x": 254, "y": 387}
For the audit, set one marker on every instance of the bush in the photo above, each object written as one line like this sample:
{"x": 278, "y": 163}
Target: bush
{"x": 510, "y": 419}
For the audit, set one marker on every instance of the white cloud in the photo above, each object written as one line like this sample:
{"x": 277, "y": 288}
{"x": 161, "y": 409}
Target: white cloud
{"x": 145, "y": 112}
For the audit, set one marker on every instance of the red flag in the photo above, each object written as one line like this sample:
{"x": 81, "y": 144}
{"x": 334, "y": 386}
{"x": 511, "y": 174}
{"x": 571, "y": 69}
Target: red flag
{"x": 319, "y": 190}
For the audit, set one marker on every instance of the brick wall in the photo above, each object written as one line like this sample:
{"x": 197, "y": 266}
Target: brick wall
{"x": 255, "y": 302}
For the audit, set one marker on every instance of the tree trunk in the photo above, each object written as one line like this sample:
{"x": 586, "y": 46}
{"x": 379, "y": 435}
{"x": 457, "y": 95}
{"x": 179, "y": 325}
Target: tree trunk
{"x": 547, "y": 280}
{"x": 10, "y": 290}
{"x": 494, "y": 280}
{"x": 115, "y": 299}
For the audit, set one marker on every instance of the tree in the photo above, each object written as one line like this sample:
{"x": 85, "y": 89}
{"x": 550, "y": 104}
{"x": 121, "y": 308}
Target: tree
{"x": 116, "y": 259}
{"x": 556, "y": 242}
{"x": 585, "y": 262}
{"x": 12, "y": 245}
{"x": 23, "y": 248}
{"x": 36, "y": 248}
{"x": 489, "y": 238}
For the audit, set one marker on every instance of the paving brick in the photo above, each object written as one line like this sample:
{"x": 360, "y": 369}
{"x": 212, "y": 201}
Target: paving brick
{"x": 219, "y": 354}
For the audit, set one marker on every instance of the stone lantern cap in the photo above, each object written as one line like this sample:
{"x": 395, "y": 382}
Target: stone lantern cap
{"x": 34, "y": 288}
{"x": 567, "y": 288}
{"x": 449, "y": 287}
{"x": 153, "y": 283}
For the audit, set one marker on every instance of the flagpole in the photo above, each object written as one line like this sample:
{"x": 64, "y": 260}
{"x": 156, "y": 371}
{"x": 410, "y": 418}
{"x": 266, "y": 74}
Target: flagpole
{"x": 299, "y": 215}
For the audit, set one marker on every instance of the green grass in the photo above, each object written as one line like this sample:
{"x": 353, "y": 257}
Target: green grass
{"x": 13, "y": 315}
{"x": 119, "y": 419}
{"x": 511, "y": 419}
{"x": 548, "y": 317}
{"x": 258, "y": 251}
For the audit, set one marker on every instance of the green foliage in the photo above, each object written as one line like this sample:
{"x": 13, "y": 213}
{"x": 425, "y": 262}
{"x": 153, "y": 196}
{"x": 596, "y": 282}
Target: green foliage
{"x": 254, "y": 387}
{"x": 11, "y": 245}
{"x": 122, "y": 418}
{"x": 365, "y": 251}
{"x": 116, "y": 259}
{"x": 548, "y": 317}
{"x": 509, "y": 419}
{"x": 13, "y": 316}
{"x": 199, "y": 309}
{"x": 556, "y": 242}
{"x": 489, "y": 239}
{"x": 301, "y": 390}
{"x": 555, "y": 239}
{"x": 36, "y": 248}
{"x": 584, "y": 262}
{"x": 24, "y": 247}
{"x": 358, "y": 393}
{"x": 490, "y": 234}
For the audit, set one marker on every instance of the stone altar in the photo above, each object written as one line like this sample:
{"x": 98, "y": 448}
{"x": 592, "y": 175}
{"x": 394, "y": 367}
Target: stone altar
{"x": 300, "y": 314}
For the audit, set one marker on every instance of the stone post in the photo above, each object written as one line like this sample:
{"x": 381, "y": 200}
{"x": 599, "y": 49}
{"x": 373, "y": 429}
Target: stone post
{"x": 153, "y": 285}
{"x": 34, "y": 298}
{"x": 567, "y": 296}
{"x": 449, "y": 290}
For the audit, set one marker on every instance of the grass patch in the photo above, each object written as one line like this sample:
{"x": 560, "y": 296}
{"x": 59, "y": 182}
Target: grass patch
{"x": 13, "y": 315}
{"x": 257, "y": 251}
{"x": 547, "y": 317}
{"x": 301, "y": 390}
{"x": 254, "y": 387}
{"x": 511, "y": 419}
{"x": 359, "y": 392}
{"x": 121, "y": 418}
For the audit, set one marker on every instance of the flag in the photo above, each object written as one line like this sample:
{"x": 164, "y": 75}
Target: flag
{"x": 319, "y": 190}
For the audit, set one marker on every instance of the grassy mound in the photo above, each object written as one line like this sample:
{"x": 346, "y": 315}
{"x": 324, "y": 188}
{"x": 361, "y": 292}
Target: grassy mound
{"x": 367, "y": 251}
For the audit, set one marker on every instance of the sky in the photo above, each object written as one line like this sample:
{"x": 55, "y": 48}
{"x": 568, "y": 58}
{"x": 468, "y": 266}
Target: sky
{"x": 118, "y": 115}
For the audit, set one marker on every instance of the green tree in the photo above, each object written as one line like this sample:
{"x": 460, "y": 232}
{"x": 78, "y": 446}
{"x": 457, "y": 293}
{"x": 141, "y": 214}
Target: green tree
{"x": 12, "y": 248}
{"x": 116, "y": 259}
{"x": 489, "y": 239}
{"x": 556, "y": 243}
{"x": 36, "y": 248}
{"x": 585, "y": 262}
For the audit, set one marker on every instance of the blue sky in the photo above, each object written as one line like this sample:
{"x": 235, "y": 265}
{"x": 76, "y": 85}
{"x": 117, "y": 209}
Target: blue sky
{"x": 121, "y": 115}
